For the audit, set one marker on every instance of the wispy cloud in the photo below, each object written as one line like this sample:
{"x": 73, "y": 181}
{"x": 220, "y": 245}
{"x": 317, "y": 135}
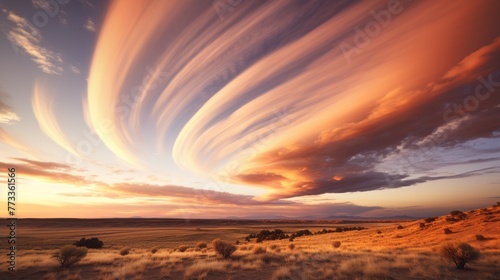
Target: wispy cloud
{"x": 43, "y": 108}
{"x": 51, "y": 172}
{"x": 90, "y": 25}
{"x": 74, "y": 69}
{"x": 29, "y": 39}
{"x": 18, "y": 144}
{"x": 7, "y": 115}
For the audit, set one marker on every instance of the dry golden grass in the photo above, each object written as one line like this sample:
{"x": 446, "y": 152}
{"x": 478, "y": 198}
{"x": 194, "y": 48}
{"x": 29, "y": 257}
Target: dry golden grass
{"x": 407, "y": 253}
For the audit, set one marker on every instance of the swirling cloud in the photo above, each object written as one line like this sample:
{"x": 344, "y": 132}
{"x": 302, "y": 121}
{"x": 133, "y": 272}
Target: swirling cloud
{"x": 282, "y": 104}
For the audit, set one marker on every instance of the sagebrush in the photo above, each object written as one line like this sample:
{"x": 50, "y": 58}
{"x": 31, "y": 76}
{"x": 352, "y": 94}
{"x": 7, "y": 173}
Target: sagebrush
{"x": 69, "y": 255}
{"x": 223, "y": 248}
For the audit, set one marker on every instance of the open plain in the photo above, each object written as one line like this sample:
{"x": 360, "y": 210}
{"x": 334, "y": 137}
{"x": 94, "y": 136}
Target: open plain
{"x": 181, "y": 249}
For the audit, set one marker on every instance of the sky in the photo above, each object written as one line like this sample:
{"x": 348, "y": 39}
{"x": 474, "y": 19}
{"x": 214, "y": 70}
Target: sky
{"x": 251, "y": 109}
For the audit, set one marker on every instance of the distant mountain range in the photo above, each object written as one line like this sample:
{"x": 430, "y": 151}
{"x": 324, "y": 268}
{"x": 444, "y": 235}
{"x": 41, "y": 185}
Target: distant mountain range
{"x": 340, "y": 218}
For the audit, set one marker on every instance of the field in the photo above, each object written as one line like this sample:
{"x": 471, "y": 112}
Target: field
{"x": 171, "y": 249}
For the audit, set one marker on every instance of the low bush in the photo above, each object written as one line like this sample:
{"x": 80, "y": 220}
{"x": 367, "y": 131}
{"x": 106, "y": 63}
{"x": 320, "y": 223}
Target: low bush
{"x": 291, "y": 246}
{"x": 459, "y": 215}
{"x": 69, "y": 255}
{"x": 183, "y": 248}
{"x": 265, "y": 234}
{"x": 201, "y": 245}
{"x": 223, "y": 248}
{"x": 259, "y": 250}
{"x": 92, "y": 243}
{"x": 154, "y": 250}
{"x": 480, "y": 237}
{"x": 271, "y": 258}
{"x": 336, "y": 244}
{"x": 400, "y": 227}
{"x": 447, "y": 231}
{"x": 125, "y": 251}
{"x": 459, "y": 254}
{"x": 429, "y": 220}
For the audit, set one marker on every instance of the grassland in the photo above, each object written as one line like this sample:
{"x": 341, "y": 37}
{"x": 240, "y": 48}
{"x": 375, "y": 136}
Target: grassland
{"x": 382, "y": 251}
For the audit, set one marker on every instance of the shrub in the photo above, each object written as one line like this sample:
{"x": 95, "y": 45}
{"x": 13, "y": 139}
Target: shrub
{"x": 92, "y": 243}
{"x": 480, "y": 237}
{"x": 485, "y": 211}
{"x": 282, "y": 273}
{"x": 265, "y": 234}
{"x": 301, "y": 233}
{"x": 259, "y": 250}
{"x": 125, "y": 251}
{"x": 225, "y": 249}
{"x": 379, "y": 231}
{"x": 447, "y": 231}
{"x": 460, "y": 254}
{"x": 291, "y": 246}
{"x": 422, "y": 225}
{"x": 201, "y": 245}
{"x": 429, "y": 220}
{"x": 69, "y": 255}
{"x": 400, "y": 227}
{"x": 183, "y": 248}
{"x": 154, "y": 250}
{"x": 271, "y": 258}
{"x": 336, "y": 244}
{"x": 458, "y": 215}
{"x": 273, "y": 247}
